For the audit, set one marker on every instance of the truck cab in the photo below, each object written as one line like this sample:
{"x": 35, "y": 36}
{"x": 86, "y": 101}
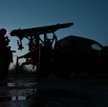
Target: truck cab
{"x": 74, "y": 54}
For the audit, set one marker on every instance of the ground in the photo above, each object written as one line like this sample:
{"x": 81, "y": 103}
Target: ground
{"x": 27, "y": 91}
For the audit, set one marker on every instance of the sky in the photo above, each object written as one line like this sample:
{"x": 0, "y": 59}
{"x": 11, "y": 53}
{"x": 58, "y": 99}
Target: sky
{"x": 90, "y": 18}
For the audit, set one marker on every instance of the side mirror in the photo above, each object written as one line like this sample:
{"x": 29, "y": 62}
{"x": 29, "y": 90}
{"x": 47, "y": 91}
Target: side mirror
{"x": 105, "y": 50}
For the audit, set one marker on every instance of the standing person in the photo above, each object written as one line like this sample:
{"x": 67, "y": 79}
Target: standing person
{"x": 5, "y": 54}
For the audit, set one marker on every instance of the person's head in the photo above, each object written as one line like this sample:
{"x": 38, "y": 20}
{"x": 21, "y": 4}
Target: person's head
{"x": 3, "y": 32}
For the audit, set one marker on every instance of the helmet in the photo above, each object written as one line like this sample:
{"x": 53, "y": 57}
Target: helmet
{"x": 3, "y": 31}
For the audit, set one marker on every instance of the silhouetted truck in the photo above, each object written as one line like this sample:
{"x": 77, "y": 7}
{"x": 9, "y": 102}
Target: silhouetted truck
{"x": 71, "y": 54}
{"x": 74, "y": 54}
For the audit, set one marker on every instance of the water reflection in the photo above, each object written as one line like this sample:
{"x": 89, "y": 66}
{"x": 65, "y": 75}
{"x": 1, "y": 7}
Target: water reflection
{"x": 10, "y": 84}
{"x": 18, "y": 98}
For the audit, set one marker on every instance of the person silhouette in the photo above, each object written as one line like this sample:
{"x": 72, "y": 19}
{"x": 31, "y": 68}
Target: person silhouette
{"x": 5, "y": 54}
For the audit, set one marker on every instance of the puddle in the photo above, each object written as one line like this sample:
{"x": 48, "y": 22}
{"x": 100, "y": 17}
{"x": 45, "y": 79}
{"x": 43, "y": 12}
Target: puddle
{"x": 20, "y": 94}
